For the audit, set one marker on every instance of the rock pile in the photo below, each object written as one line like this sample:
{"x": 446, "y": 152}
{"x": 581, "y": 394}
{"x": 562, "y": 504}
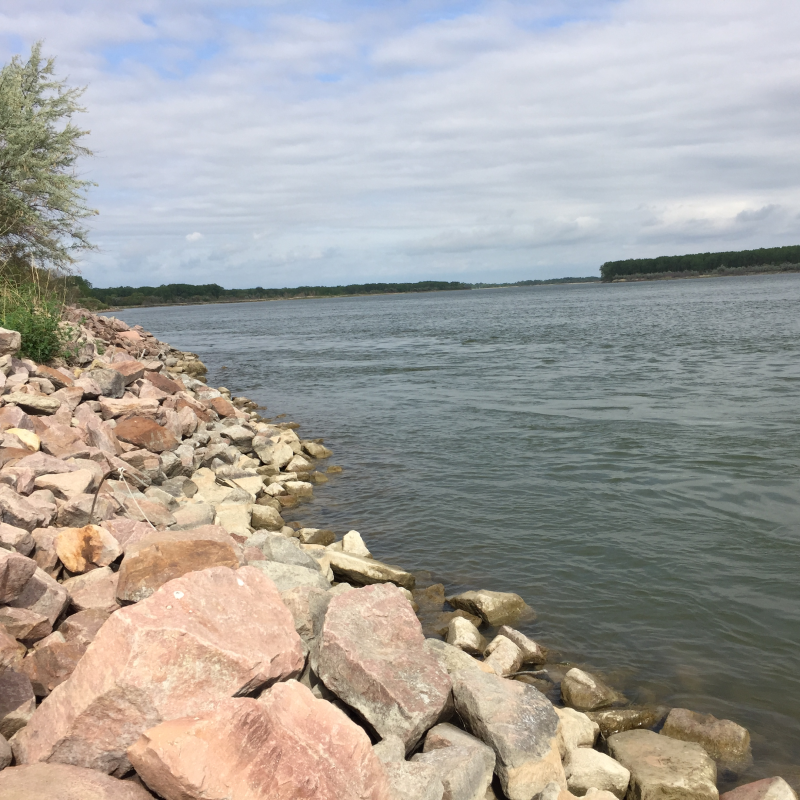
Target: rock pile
{"x": 164, "y": 633}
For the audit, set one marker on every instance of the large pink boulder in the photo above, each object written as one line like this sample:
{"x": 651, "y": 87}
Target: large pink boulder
{"x": 15, "y": 572}
{"x": 371, "y": 656}
{"x": 61, "y": 782}
{"x": 199, "y": 639}
{"x": 287, "y": 746}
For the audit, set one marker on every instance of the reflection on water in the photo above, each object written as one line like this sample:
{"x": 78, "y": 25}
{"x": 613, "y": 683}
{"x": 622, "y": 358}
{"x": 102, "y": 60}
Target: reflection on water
{"x": 625, "y": 457}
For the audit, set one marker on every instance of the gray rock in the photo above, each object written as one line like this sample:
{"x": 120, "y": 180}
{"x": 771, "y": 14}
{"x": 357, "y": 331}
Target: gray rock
{"x": 15, "y": 571}
{"x": 308, "y": 605}
{"x": 110, "y": 382}
{"x": 367, "y": 571}
{"x": 664, "y": 769}
{"x": 180, "y": 486}
{"x": 6, "y": 756}
{"x": 13, "y": 538}
{"x": 503, "y": 656}
{"x": 193, "y": 515}
{"x": 289, "y": 576}
{"x": 451, "y": 659}
{"x": 277, "y": 547}
{"x": 409, "y": 780}
{"x": 586, "y": 769}
{"x": 518, "y": 723}
{"x": 461, "y": 633}
{"x": 316, "y": 536}
{"x": 389, "y": 749}
{"x": 586, "y": 692}
{"x": 575, "y": 729}
{"x": 494, "y": 608}
{"x": 617, "y": 720}
{"x": 532, "y": 653}
{"x": 10, "y": 342}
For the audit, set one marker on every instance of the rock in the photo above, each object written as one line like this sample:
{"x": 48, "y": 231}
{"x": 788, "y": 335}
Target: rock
{"x": 15, "y": 572}
{"x": 439, "y": 623}
{"x": 277, "y": 454}
{"x": 94, "y": 591}
{"x": 353, "y": 544}
{"x": 276, "y": 547}
{"x": 222, "y": 407}
{"x": 127, "y": 532}
{"x": 130, "y": 370}
{"x": 83, "y": 626}
{"x": 234, "y": 517}
{"x": 11, "y": 651}
{"x": 287, "y": 746}
{"x": 25, "y": 625}
{"x": 532, "y": 653}
{"x": 575, "y": 730}
{"x": 725, "y": 741}
{"x": 66, "y": 485}
{"x": 193, "y": 515}
{"x": 63, "y": 782}
{"x": 6, "y": 756}
{"x": 56, "y": 377}
{"x": 410, "y": 780}
{"x": 504, "y": 657}
{"x": 43, "y": 464}
{"x": 13, "y": 538}
{"x": 162, "y": 556}
{"x": 316, "y": 450}
{"x": 598, "y": 794}
{"x": 390, "y": 749}
{"x": 299, "y": 488}
{"x": 187, "y": 645}
{"x": 34, "y": 403}
{"x": 464, "y": 764}
{"x": 586, "y": 692}
{"x": 371, "y": 656}
{"x": 110, "y": 382}
{"x": 16, "y": 511}
{"x": 289, "y": 576}
{"x": 766, "y": 789}
{"x": 163, "y": 383}
{"x": 28, "y": 438}
{"x": 494, "y": 608}
{"x": 17, "y": 702}
{"x": 10, "y": 342}
{"x": 518, "y": 723}
{"x": 141, "y": 509}
{"x": 126, "y": 406}
{"x": 308, "y": 605}
{"x": 450, "y": 658}
{"x": 586, "y": 768}
{"x": 50, "y": 663}
{"x": 316, "y": 536}
{"x": 78, "y": 512}
{"x": 463, "y": 634}
{"x": 367, "y": 571}
{"x": 43, "y": 595}
{"x": 266, "y": 518}
{"x": 664, "y": 769}
{"x": 145, "y": 433}
{"x": 86, "y": 548}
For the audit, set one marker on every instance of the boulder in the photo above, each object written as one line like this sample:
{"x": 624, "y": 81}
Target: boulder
{"x": 51, "y": 662}
{"x": 617, "y": 720}
{"x": 372, "y": 656}
{"x": 10, "y": 342}
{"x": 193, "y": 515}
{"x": 94, "y": 591}
{"x": 503, "y": 656}
{"x": 130, "y": 370}
{"x": 199, "y": 639}
{"x": 289, "y": 576}
{"x": 66, "y": 485}
{"x": 24, "y": 625}
{"x": 110, "y": 382}
{"x": 11, "y": 651}
{"x": 234, "y": 517}
{"x": 86, "y": 548}
{"x": 464, "y": 764}
{"x": 6, "y": 756}
{"x": 586, "y": 692}
{"x": 145, "y": 433}
{"x": 13, "y": 538}
{"x": 17, "y": 511}
{"x": 162, "y": 556}
{"x": 367, "y": 571}
{"x": 163, "y": 383}
{"x": 308, "y": 605}
{"x": 586, "y": 769}
{"x": 17, "y": 702}
{"x": 287, "y": 746}
{"x": 59, "y": 379}
{"x": 664, "y": 769}
{"x": 84, "y": 509}
{"x": 15, "y": 572}
{"x": 410, "y": 780}
{"x": 518, "y": 723}
{"x": 63, "y": 782}
{"x": 766, "y": 789}
{"x": 463, "y": 634}
{"x": 725, "y": 741}
{"x": 321, "y": 536}
{"x": 532, "y": 653}
{"x": 83, "y": 626}
{"x": 494, "y": 608}
{"x": 127, "y": 532}
{"x": 265, "y": 518}
{"x": 34, "y": 403}
{"x": 126, "y": 406}
{"x": 439, "y": 622}
{"x": 276, "y": 547}
{"x": 575, "y": 729}
{"x": 451, "y": 658}
{"x": 43, "y": 595}
{"x": 316, "y": 449}
{"x": 28, "y": 439}
{"x": 353, "y": 544}
{"x": 299, "y": 488}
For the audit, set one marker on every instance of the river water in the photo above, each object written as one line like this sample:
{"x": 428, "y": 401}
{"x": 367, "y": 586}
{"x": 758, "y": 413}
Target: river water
{"x": 626, "y": 457}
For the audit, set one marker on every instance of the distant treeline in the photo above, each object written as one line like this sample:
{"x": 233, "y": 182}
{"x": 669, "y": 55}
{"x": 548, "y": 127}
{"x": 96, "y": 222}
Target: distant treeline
{"x": 590, "y": 279}
{"x": 180, "y": 293}
{"x": 702, "y": 262}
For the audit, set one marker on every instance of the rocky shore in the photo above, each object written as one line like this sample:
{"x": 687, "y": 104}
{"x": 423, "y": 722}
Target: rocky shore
{"x": 164, "y": 632}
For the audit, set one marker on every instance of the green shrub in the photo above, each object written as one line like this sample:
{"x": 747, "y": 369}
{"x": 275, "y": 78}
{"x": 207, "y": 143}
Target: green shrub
{"x": 37, "y": 317}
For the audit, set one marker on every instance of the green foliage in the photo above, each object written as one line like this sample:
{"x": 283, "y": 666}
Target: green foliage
{"x": 36, "y": 314}
{"x": 702, "y": 262}
{"x": 42, "y": 200}
{"x": 213, "y": 293}
{"x": 537, "y": 282}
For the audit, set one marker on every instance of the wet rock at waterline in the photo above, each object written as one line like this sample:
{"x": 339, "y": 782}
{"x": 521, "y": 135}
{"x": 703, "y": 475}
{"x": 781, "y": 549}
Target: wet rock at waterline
{"x": 766, "y": 789}
{"x": 494, "y": 608}
{"x": 586, "y": 692}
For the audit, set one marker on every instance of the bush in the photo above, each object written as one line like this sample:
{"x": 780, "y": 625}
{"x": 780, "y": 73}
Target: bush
{"x": 37, "y": 317}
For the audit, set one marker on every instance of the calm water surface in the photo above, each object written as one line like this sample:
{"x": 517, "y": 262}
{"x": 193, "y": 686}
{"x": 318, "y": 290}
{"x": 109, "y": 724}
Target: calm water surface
{"x": 625, "y": 457}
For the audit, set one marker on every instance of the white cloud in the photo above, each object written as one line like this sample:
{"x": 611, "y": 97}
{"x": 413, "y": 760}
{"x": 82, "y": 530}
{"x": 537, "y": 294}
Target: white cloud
{"x": 508, "y": 141}
{"x": 194, "y": 237}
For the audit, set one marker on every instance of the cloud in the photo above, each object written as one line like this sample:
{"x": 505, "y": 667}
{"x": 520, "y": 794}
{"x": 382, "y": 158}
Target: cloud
{"x": 436, "y": 139}
{"x": 194, "y": 237}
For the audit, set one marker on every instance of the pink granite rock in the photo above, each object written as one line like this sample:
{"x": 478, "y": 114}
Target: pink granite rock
{"x": 15, "y": 538}
{"x": 83, "y": 626}
{"x": 17, "y": 511}
{"x": 766, "y": 789}
{"x": 43, "y": 464}
{"x": 25, "y": 625}
{"x": 11, "y": 651}
{"x": 96, "y": 590}
{"x": 199, "y": 639}
{"x": 371, "y": 656}
{"x": 288, "y": 746}
{"x": 15, "y": 571}
{"x": 127, "y": 532}
{"x": 17, "y": 702}
{"x": 51, "y": 662}
{"x": 62, "y": 782}
{"x": 43, "y": 595}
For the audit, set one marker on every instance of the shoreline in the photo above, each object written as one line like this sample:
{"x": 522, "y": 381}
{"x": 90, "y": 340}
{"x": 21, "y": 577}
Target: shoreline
{"x": 244, "y": 470}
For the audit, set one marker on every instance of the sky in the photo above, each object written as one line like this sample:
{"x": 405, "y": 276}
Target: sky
{"x": 292, "y": 143}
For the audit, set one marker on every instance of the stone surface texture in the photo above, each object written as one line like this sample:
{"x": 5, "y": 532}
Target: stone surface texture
{"x": 586, "y": 692}
{"x": 494, "y": 608}
{"x": 766, "y": 789}
{"x": 586, "y": 769}
{"x": 64, "y": 782}
{"x": 725, "y": 741}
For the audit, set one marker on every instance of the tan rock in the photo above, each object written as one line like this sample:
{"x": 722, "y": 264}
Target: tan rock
{"x": 288, "y": 746}
{"x": 353, "y": 544}
{"x": 67, "y": 485}
{"x": 15, "y": 572}
{"x": 234, "y": 517}
{"x": 367, "y": 571}
{"x": 503, "y": 656}
{"x": 585, "y": 769}
{"x": 532, "y": 653}
{"x": 266, "y": 519}
{"x": 10, "y": 342}
{"x": 586, "y": 692}
{"x": 463, "y": 634}
{"x": 766, "y": 789}
{"x": 28, "y": 438}
{"x": 145, "y": 433}
{"x": 575, "y": 729}
{"x": 63, "y": 782}
{"x": 175, "y": 654}
{"x": 96, "y": 590}
{"x": 299, "y": 488}
{"x": 494, "y": 608}
{"x": 321, "y": 536}
{"x": 725, "y": 741}
{"x": 86, "y": 548}
{"x": 162, "y": 556}
{"x": 17, "y": 702}
{"x": 34, "y": 403}
{"x": 112, "y": 408}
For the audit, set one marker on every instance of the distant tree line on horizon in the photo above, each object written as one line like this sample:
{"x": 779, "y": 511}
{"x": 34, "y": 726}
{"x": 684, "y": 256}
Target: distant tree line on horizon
{"x": 702, "y": 262}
